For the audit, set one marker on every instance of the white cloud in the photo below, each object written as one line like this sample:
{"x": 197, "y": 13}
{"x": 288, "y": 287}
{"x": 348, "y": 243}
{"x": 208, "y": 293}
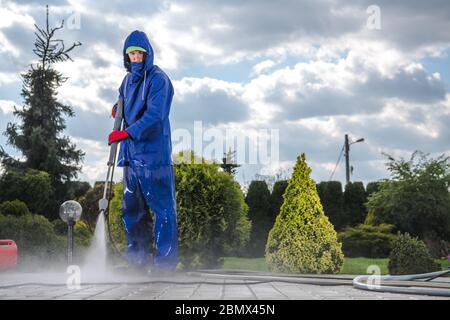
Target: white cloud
{"x": 83, "y": 88}
{"x": 95, "y": 165}
{"x": 316, "y": 72}
{"x": 10, "y": 15}
{"x": 263, "y": 66}
{"x": 7, "y": 106}
{"x": 7, "y": 78}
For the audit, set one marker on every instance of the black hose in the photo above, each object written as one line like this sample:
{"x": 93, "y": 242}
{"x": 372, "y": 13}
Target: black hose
{"x": 403, "y": 284}
{"x": 400, "y": 284}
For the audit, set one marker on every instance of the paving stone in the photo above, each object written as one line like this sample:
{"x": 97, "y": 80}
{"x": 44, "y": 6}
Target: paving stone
{"x": 119, "y": 292}
{"x": 224, "y": 289}
{"x": 208, "y": 292}
{"x": 149, "y": 292}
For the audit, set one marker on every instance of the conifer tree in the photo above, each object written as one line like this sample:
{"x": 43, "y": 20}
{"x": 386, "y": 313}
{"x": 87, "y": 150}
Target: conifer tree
{"x": 38, "y": 133}
{"x": 303, "y": 240}
{"x": 259, "y": 213}
{"x": 276, "y": 199}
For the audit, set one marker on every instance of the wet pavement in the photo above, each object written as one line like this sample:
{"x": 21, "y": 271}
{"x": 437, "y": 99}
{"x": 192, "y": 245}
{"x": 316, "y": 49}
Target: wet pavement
{"x": 181, "y": 286}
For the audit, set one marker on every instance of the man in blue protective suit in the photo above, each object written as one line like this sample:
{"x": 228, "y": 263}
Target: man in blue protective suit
{"x": 146, "y": 157}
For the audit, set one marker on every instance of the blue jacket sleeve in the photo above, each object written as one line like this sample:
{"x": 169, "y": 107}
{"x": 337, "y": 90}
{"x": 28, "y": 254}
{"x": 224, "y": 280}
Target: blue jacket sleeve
{"x": 158, "y": 106}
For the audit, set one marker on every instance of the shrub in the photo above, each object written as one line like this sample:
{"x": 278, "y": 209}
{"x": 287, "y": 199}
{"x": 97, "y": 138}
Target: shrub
{"x": 82, "y": 234}
{"x": 238, "y": 226}
{"x": 332, "y": 199}
{"x": 438, "y": 248}
{"x": 89, "y": 202}
{"x": 354, "y": 208}
{"x": 367, "y": 241}
{"x": 258, "y": 202}
{"x": 60, "y": 227}
{"x": 34, "y": 236}
{"x": 77, "y": 189}
{"x": 211, "y": 215}
{"x": 14, "y": 208}
{"x": 370, "y": 218}
{"x": 33, "y": 187}
{"x": 410, "y": 256}
{"x": 416, "y": 198}
{"x": 116, "y": 225}
{"x": 303, "y": 239}
{"x": 276, "y": 199}
{"x": 372, "y": 187}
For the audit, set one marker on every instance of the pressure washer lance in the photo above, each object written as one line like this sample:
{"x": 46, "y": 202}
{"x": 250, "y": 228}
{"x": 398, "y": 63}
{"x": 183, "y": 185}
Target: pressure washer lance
{"x": 103, "y": 203}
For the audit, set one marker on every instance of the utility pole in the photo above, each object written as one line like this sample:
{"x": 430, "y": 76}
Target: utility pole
{"x": 347, "y": 160}
{"x": 347, "y": 156}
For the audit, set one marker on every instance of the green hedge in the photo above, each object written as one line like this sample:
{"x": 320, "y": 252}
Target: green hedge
{"x": 259, "y": 213}
{"x": 34, "y": 236}
{"x": 41, "y": 241}
{"x": 367, "y": 241}
{"x": 212, "y": 214}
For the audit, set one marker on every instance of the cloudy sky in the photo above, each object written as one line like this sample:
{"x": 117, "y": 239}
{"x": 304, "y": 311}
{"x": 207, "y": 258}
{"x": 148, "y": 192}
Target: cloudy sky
{"x": 313, "y": 70}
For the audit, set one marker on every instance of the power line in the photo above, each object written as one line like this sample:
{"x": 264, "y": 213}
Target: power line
{"x": 337, "y": 163}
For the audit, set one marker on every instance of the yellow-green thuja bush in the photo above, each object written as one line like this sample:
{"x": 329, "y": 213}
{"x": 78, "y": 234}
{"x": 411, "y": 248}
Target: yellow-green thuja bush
{"x": 302, "y": 239}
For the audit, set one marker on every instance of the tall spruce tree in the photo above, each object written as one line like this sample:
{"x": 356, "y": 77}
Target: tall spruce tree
{"x": 38, "y": 134}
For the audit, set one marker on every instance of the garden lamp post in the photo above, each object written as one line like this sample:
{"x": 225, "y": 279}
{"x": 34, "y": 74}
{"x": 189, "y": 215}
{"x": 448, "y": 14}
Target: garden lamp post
{"x": 70, "y": 213}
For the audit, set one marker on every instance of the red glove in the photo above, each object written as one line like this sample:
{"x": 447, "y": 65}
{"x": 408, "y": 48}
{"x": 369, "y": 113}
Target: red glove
{"x": 114, "y": 110}
{"x": 117, "y": 136}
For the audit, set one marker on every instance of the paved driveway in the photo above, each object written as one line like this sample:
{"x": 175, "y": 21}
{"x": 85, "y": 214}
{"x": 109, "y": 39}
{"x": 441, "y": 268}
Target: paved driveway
{"x": 179, "y": 287}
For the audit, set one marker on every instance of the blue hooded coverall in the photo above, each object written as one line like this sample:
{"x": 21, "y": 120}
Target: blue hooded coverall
{"x": 146, "y": 158}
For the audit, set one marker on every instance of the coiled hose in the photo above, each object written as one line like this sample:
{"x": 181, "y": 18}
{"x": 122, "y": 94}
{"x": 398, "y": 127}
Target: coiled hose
{"x": 420, "y": 284}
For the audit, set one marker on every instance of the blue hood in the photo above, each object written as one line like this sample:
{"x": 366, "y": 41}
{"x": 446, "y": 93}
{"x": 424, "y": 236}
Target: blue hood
{"x": 139, "y": 39}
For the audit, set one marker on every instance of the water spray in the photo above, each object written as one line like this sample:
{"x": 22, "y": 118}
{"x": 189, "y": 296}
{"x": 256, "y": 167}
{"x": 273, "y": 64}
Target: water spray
{"x": 70, "y": 211}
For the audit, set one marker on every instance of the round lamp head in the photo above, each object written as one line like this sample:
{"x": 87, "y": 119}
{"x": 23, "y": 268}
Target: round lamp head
{"x": 70, "y": 211}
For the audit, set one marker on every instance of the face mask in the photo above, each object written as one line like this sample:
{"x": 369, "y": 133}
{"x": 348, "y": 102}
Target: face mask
{"x": 137, "y": 70}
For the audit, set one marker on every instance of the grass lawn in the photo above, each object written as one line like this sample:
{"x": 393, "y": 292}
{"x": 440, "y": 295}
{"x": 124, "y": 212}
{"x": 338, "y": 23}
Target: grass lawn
{"x": 254, "y": 264}
{"x": 351, "y": 265}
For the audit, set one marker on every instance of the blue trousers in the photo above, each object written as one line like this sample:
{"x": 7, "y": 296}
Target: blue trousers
{"x": 150, "y": 188}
